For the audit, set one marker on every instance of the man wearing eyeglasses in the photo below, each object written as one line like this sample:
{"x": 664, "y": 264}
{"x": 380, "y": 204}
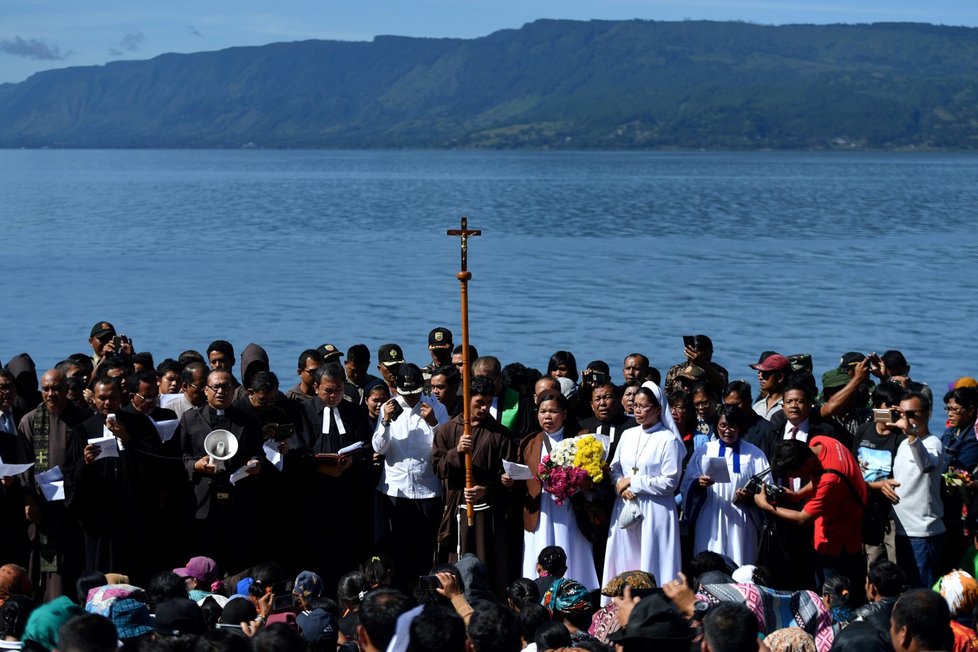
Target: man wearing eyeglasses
{"x": 341, "y": 486}
{"x": 222, "y": 510}
{"x": 919, "y": 513}
{"x": 309, "y": 361}
{"x": 193, "y": 378}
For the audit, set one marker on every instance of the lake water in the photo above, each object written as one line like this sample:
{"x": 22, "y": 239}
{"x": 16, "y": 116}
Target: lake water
{"x": 601, "y": 253}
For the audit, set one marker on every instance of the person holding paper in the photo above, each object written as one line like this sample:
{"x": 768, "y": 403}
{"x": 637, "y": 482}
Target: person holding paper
{"x": 55, "y": 540}
{"x": 545, "y": 523}
{"x": 716, "y": 506}
{"x": 222, "y": 509}
{"x": 340, "y": 486}
{"x": 115, "y": 498}
{"x": 646, "y": 468}
{"x": 144, "y": 396}
{"x": 13, "y": 545}
{"x": 491, "y": 536}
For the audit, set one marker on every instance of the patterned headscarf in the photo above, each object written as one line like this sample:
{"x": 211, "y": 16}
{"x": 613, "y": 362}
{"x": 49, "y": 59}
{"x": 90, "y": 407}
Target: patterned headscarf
{"x": 567, "y": 597}
{"x": 960, "y": 590}
{"x": 635, "y": 579}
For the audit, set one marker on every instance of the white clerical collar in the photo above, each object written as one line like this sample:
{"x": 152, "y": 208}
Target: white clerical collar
{"x": 334, "y": 414}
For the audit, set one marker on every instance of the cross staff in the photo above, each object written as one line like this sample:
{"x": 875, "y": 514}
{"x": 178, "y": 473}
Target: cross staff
{"x": 463, "y": 277}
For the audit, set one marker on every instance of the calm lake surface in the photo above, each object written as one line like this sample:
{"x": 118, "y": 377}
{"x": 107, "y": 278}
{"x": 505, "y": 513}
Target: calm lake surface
{"x": 601, "y": 253}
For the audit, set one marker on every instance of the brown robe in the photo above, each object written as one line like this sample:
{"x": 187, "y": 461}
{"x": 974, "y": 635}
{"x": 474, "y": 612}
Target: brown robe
{"x": 491, "y": 536}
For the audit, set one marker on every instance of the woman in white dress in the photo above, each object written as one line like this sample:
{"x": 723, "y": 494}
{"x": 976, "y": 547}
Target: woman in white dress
{"x": 545, "y": 523}
{"x": 646, "y": 469}
{"x": 723, "y": 516}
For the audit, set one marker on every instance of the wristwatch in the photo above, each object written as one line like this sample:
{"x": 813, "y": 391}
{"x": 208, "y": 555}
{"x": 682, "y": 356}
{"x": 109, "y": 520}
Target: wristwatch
{"x": 700, "y": 607}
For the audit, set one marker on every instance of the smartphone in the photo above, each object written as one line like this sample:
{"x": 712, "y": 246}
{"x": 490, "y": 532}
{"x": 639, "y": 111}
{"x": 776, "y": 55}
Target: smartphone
{"x": 117, "y": 343}
{"x": 689, "y": 341}
{"x": 398, "y": 410}
{"x": 598, "y": 378}
{"x": 641, "y": 593}
{"x": 429, "y": 582}
{"x": 882, "y": 416}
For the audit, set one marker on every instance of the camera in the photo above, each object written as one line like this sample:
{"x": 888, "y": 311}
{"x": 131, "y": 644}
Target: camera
{"x": 281, "y": 431}
{"x": 429, "y": 582}
{"x": 772, "y": 492}
{"x": 885, "y": 416}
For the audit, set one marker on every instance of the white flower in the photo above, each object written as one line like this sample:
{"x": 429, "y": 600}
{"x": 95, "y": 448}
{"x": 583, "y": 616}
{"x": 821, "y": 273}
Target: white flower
{"x": 563, "y": 452}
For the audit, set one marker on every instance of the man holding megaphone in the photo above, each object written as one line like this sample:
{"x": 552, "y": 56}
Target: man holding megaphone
{"x": 222, "y": 453}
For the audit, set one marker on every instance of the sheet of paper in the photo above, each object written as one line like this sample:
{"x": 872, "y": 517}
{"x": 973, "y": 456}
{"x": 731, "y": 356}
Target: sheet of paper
{"x": 52, "y": 484}
{"x": 7, "y": 470}
{"x": 166, "y": 399}
{"x": 349, "y": 449}
{"x": 166, "y": 428}
{"x": 716, "y": 468}
{"x": 242, "y": 472}
{"x": 107, "y": 444}
{"x": 271, "y": 453}
{"x": 54, "y": 492}
{"x": 517, "y": 471}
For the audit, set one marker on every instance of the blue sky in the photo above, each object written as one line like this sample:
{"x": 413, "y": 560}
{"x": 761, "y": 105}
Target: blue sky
{"x": 38, "y": 35}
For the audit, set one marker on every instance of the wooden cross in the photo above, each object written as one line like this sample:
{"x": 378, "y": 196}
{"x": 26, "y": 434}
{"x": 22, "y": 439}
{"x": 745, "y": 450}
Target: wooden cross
{"x": 464, "y": 234}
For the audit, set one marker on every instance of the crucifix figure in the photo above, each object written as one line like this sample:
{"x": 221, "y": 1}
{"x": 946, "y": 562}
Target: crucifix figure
{"x": 463, "y": 277}
{"x": 464, "y": 234}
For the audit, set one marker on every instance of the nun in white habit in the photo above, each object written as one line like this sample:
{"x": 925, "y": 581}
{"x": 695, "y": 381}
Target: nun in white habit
{"x": 646, "y": 470}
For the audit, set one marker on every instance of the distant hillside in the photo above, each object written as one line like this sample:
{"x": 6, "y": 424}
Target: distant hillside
{"x": 567, "y": 84}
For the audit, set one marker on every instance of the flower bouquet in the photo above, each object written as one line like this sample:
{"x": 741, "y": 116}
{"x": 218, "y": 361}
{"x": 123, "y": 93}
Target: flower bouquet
{"x": 957, "y": 477}
{"x": 956, "y": 495}
{"x": 576, "y": 470}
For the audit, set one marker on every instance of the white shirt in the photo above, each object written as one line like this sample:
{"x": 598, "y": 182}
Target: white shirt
{"x": 802, "y": 432}
{"x": 406, "y": 446}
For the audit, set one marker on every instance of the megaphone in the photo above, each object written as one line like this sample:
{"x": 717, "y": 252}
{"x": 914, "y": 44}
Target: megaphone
{"x": 220, "y": 445}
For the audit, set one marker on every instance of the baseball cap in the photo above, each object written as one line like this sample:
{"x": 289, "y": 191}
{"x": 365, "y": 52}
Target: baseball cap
{"x": 202, "y": 569}
{"x": 308, "y": 585}
{"x": 440, "y": 336}
{"x": 330, "y": 352}
{"x": 390, "y": 355}
{"x": 409, "y": 380}
{"x": 774, "y": 362}
{"x": 102, "y": 328}
{"x": 851, "y": 359}
{"x": 835, "y": 378}
{"x": 317, "y": 624}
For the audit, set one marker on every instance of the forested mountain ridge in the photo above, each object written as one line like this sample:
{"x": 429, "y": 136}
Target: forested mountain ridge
{"x": 552, "y": 83}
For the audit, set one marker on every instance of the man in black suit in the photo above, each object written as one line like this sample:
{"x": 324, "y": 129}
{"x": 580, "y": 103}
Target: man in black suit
{"x": 341, "y": 487}
{"x": 225, "y": 512}
{"x": 115, "y": 498}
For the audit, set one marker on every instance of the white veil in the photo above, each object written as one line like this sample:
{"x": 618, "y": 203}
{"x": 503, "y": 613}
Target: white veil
{"x": 666, "y": 414}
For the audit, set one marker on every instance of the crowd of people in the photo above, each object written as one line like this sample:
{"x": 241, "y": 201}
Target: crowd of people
{"x": 815, "y": 515}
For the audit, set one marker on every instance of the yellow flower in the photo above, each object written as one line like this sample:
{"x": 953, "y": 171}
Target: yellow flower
{"x": 588, "y": 456}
